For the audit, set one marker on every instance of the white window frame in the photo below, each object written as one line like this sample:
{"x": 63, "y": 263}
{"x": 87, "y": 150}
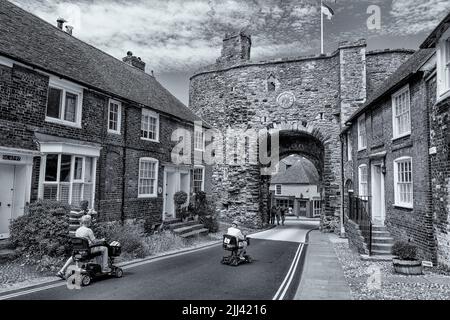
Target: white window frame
{"x": 317, "y": 207}
{"x": 349, "y": 147}
{"x": 72, "y": 180}
{"x": 203, "y": 177}
{"x": 362, "y": 143}
{"x": 397, "y": 200}
{"x": 155, "y": 186}
{"x": 119, "y": 116}
{"x": 66, "y": 86}
{"x": 196, "y": 133}
{"x": 395, "y": 127}
{"x": 443, "y": 66}
{"x": 364, "y": 196}
{"x": 276, "y": 189}
{"x": 150, "y": 113}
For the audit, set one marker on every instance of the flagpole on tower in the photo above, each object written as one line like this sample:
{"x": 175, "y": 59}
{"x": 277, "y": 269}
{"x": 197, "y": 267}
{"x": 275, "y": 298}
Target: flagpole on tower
{"x": 321, "y": 27}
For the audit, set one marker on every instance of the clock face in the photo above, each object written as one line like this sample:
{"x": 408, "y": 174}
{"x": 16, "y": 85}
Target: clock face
{"x": 286, "y": 99}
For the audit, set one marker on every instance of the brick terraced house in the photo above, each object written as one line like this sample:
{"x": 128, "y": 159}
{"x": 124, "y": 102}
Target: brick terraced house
{"x": 396, "y": 157}
{"x": 77, "y": 124}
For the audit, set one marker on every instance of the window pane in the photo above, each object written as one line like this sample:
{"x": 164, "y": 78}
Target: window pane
{"x": 113, "y": 116}
{"x": 51, "y": 167}
{"x": 71, "y": 107}
{"x": 64, "y": 174}
{"x": 50, "y": 191}
{"x": 88, "y": 170}
{"x": 78, "y": 170}
{"x": 54, "y": 103}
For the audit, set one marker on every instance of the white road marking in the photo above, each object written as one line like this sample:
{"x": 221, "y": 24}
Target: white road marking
{"x": 292, "y": 274}
{"x": 287, "y": 280}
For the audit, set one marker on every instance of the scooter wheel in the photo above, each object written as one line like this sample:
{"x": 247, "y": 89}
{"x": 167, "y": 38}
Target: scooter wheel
{"x": 119, "y": 273}
{"x": 86, "y": 280}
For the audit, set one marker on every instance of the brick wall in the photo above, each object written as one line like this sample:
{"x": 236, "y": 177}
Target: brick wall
{"x": 415, "y": 224}
{"x": 23, "y": 99}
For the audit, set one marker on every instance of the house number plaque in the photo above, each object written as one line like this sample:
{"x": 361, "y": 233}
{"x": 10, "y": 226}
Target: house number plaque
{"x": 11, "y": 158}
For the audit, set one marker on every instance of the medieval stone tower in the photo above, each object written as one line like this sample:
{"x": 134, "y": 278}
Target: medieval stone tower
{"x": 308, "y": 99}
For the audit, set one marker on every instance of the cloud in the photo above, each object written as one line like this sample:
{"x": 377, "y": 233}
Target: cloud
{"x": 183, "y": 35}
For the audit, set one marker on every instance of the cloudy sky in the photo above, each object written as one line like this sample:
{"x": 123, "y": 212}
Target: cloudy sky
{"x": 176, "y": 37}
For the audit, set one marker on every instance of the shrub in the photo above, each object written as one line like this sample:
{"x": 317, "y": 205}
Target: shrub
{"x": 164, "y": 241}
{"x": 130, "y": 236}
{"x": 44, "y": 231}
{"x": 404, "y": 250}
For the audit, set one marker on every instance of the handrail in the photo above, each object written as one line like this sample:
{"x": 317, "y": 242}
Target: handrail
{"x": 360, "y": 213}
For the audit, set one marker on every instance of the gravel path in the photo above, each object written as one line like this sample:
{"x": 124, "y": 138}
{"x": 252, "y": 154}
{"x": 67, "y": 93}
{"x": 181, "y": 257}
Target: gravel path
{"x": 369, "y": 280}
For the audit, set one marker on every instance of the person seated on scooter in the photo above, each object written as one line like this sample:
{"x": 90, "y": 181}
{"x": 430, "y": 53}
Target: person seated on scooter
{"x": 236, "y": 232}
{"x": 85, "y": 232}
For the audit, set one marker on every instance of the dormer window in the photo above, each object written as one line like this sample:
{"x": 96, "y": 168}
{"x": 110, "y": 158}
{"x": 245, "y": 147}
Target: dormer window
{"x": 443, "y": 65}
{"x": 271, "y": 83}
{"x": 64, "y": 103}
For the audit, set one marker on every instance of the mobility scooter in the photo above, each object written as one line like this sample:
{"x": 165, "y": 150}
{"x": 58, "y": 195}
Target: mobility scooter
{"x": 86, "y": 266}
{"x": 234, "y": 245}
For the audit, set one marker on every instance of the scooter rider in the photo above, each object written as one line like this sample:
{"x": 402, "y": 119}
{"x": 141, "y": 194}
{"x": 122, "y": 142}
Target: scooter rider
{"x": 85, "y": 232}
{"x": 236, "y": 232}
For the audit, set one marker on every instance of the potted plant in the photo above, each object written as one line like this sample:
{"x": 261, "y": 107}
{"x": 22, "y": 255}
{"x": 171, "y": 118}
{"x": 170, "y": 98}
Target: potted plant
{"x": 405, "y": 261}
{"x": 180, "y": 198}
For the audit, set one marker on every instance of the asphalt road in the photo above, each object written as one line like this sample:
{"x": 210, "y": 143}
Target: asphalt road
{"x": 199, "y": 275}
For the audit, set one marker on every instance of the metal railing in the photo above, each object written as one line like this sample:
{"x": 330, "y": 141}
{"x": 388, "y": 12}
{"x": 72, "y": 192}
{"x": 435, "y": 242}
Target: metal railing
{"x": 359, "y": 212}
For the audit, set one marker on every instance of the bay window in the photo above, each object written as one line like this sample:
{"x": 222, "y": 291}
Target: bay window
{"x": 64, "y": 103}
{"x": 68, "y": 178}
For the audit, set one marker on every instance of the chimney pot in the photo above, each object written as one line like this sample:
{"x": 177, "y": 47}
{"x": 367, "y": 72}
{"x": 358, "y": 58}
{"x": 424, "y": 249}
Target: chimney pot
{"x": 60, "y": 23}
{"x": 134, "y": 61}
{"x": 69, "y": 29}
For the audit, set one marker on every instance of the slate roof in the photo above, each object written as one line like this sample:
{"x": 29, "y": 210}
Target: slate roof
{"x": 430, "y": 41}
{"x": 32, "y": 41}
{"x": 301, "y": 172}
{"x": 396, "y": 80}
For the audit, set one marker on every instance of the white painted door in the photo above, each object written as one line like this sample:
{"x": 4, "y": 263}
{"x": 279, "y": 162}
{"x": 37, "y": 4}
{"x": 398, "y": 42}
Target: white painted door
{"x": 170, "y": 190}
{"x": 377, "y": 205}
{"x": 6, "y": 198}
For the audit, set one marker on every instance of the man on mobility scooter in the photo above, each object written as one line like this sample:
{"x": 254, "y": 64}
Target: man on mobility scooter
{"x": 86, "y": 248}
{"x": 237, "y": 243}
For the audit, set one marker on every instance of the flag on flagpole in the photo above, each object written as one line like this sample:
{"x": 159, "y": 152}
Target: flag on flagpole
{"x": 326, "y": 10}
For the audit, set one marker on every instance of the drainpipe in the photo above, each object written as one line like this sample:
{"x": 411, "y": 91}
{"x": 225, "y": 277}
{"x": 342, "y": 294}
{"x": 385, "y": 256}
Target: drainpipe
{"x": 342, "y": 233}
{"x": 124, "y": 162}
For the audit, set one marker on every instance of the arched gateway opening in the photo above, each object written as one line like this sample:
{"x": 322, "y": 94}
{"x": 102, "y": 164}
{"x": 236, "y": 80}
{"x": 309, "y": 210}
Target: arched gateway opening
{"x": 314, "y": 147}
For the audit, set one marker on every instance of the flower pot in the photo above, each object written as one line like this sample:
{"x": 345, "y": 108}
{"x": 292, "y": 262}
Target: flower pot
{"x": 407, "y": 267}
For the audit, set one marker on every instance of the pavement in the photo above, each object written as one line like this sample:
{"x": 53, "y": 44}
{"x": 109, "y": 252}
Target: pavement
{"x": 322, "y": 277}
{"x": 199, "y": 275}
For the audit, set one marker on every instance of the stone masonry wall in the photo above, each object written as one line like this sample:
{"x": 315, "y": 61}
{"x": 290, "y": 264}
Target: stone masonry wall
{"x": 439, "y": 114}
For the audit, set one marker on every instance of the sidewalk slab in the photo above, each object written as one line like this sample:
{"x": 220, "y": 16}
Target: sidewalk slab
{"x": 322, "y": 277}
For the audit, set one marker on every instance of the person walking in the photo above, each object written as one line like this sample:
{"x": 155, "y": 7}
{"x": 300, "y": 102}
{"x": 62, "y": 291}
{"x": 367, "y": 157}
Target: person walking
{"x": 273, "y": 212}
{"x": 283, "y": 215}
{"x": 278, "y": 215}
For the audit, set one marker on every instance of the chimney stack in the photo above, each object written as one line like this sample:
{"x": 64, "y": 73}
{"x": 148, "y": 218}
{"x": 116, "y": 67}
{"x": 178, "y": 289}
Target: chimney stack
{"x": 69, "y": 29}
{"x": 60, "y": 23}
{"x": 134, "y": 61}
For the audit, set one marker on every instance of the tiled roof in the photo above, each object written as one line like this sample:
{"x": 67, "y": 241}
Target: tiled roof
{"x": 430, "y": 41}
{"x": 409, "y": 68}
{"x": 30, "y": 40}
{"x": 301, "y": 172}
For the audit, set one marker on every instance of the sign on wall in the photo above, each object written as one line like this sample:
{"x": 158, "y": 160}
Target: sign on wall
{"x": 286, "y": 99}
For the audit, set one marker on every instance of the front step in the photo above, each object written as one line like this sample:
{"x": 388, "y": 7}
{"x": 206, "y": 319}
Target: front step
{"x": 187, "y": 229}
{"x": 195, "y": 233}
{"x": 382, "y": 241}
{"x": 387, "y": 240}
{"x": 178, "y": 225}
